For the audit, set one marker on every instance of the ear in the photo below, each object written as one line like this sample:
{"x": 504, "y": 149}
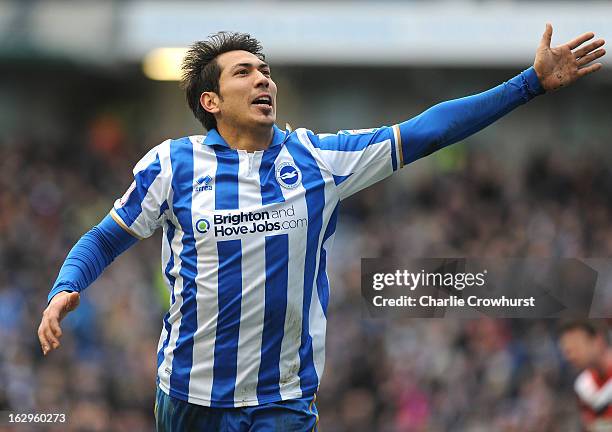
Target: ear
{"x": 210, "y": 102}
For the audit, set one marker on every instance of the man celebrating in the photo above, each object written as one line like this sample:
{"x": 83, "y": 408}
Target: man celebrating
{"x": 248, "y": 213}
{"x": 585, "y": 345}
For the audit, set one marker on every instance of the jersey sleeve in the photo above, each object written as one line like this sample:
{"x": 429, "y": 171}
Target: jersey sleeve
{"x": 358, "y": 158}
{"x": 449, "y": 122}
{"x": 140, "y": 211}
{"x": 94, "y": 251}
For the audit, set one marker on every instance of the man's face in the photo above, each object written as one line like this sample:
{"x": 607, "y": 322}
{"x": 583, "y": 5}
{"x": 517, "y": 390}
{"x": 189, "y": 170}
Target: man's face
{"x": 247, "y": 94}
{"x": 580, "y": 348}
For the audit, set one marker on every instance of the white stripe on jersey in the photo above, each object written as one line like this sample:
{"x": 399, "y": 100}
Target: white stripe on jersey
{"x": 289, "y": 357}
{"x": 175, "y": 313}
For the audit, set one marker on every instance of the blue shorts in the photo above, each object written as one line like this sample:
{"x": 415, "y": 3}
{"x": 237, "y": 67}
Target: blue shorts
{"x": 294, "y": 415}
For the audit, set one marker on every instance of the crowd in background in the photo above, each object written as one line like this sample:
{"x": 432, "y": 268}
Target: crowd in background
{"x": 381, "y": 375}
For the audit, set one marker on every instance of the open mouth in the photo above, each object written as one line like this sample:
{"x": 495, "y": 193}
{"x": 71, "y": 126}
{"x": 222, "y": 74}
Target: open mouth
{"x": 264, "y": 101}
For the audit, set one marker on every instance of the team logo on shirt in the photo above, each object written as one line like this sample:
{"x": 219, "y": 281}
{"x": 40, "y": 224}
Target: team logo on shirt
{"x": 202, "y": 226}
{"x": 288, "y": 175}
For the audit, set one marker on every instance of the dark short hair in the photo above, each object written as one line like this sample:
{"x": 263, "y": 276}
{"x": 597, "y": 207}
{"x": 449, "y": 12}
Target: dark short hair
{"x": 590, "y": 327}
{"x": 201, "y": 71}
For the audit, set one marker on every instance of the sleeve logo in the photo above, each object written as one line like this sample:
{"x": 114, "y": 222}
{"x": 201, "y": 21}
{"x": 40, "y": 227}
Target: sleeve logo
{"x": 357, "y": 131}
{"x": 126, "y": 195}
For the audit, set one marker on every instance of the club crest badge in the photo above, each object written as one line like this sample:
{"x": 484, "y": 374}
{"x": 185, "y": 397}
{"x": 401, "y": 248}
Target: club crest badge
{"x": 288, "y": 175}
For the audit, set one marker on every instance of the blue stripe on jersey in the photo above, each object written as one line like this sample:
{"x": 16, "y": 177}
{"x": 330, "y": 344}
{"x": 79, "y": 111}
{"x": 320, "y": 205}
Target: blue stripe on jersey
{"x": 339, "y": 179}
{"x": 344, "y": 142}
{"x": 229, "y": 284}
{"x": 171, "y": 279}
{"x": 347, "y": 141}
{"x": 163, "y": 208}
{"x": 133, "y": 206}
{"x": 270, "y": 189}
{"x": 314, "y": 184}
{"x": 228, "y": 323}
{"x": 277, "y": 275}
{"x": 226, "y": 179}
{"x": 181, "y": 158}
{"x": 322, "y": 281}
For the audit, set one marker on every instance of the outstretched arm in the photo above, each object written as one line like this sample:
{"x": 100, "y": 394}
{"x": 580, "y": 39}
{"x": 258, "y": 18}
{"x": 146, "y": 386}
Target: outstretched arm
{"x": 85, "y": 262}
{"x": 360, "y": 158}
{"x": 452, "y": 121}
{"x": 136, "y": 215}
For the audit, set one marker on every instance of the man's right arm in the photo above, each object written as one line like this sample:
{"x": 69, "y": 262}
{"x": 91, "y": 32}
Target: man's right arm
{"x": 91, "y": 255}
{"x": 134, "y": 216}
{"x": 95, "y": 250}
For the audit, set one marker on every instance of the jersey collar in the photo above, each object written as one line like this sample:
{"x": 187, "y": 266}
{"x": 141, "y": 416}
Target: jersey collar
{"x": 214, "y": 138}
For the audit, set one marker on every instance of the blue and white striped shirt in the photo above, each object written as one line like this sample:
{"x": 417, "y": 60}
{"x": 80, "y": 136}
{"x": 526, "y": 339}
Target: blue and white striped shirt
{"x": 244, "y": 254}
{"x": 246, "y": 236}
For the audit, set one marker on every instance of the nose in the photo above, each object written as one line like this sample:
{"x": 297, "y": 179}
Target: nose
{"x": 261, "y": 80}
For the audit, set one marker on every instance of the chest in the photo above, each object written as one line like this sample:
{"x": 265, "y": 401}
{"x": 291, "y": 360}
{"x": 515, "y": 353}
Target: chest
{"x": 240, "y": 195}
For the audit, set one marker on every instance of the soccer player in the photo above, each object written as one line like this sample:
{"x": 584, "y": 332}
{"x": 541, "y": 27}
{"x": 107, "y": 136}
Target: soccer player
{"x": 585, "y": 344}
{"x": 248, "y": 214}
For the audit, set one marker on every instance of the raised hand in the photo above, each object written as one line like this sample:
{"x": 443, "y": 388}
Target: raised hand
{"x": 560, "y": 66}
{"x": 49, "y": 330}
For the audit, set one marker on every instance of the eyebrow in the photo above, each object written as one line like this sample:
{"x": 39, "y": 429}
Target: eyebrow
{"x": 250, "y": 65}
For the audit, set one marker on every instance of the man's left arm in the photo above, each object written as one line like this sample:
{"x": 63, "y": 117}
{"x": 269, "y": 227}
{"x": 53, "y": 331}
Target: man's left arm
{"x": 452, "y": 121}
{"x": 359, "y": 158}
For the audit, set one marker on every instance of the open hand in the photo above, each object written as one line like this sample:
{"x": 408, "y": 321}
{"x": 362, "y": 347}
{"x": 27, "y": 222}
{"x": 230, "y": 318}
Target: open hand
{"x": 49, "y": 330}
{"x": 560, "y": 66}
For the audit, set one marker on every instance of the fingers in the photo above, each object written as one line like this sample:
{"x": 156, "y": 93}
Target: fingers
{"x": 547, "y": 36}
{"x": 590, "y": 47}
{"x": 580, "y": 40}
{"x": 590, "y": 57}
{"x": 55, "y": 328}
{"x": 53, "y": 341}
{"x": 42, "y": 338}
{"x": 47, "y": 336}
{"x": 589, "y": 69}
{"x": 49, "y": 330}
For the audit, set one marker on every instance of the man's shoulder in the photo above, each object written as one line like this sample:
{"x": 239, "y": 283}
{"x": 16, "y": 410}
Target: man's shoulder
{"x": 189, "y": 140}
{"x": 165, "y": 148}
{"x": 162, "y": 151}
{"x": 303, "y": 135}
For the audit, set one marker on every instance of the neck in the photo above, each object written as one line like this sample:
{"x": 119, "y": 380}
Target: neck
{"x": 249, "y": 139}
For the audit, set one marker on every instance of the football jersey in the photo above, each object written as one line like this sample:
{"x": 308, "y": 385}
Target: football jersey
{"x": 594, "y": 392}
{"x": 245, "y": 242}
